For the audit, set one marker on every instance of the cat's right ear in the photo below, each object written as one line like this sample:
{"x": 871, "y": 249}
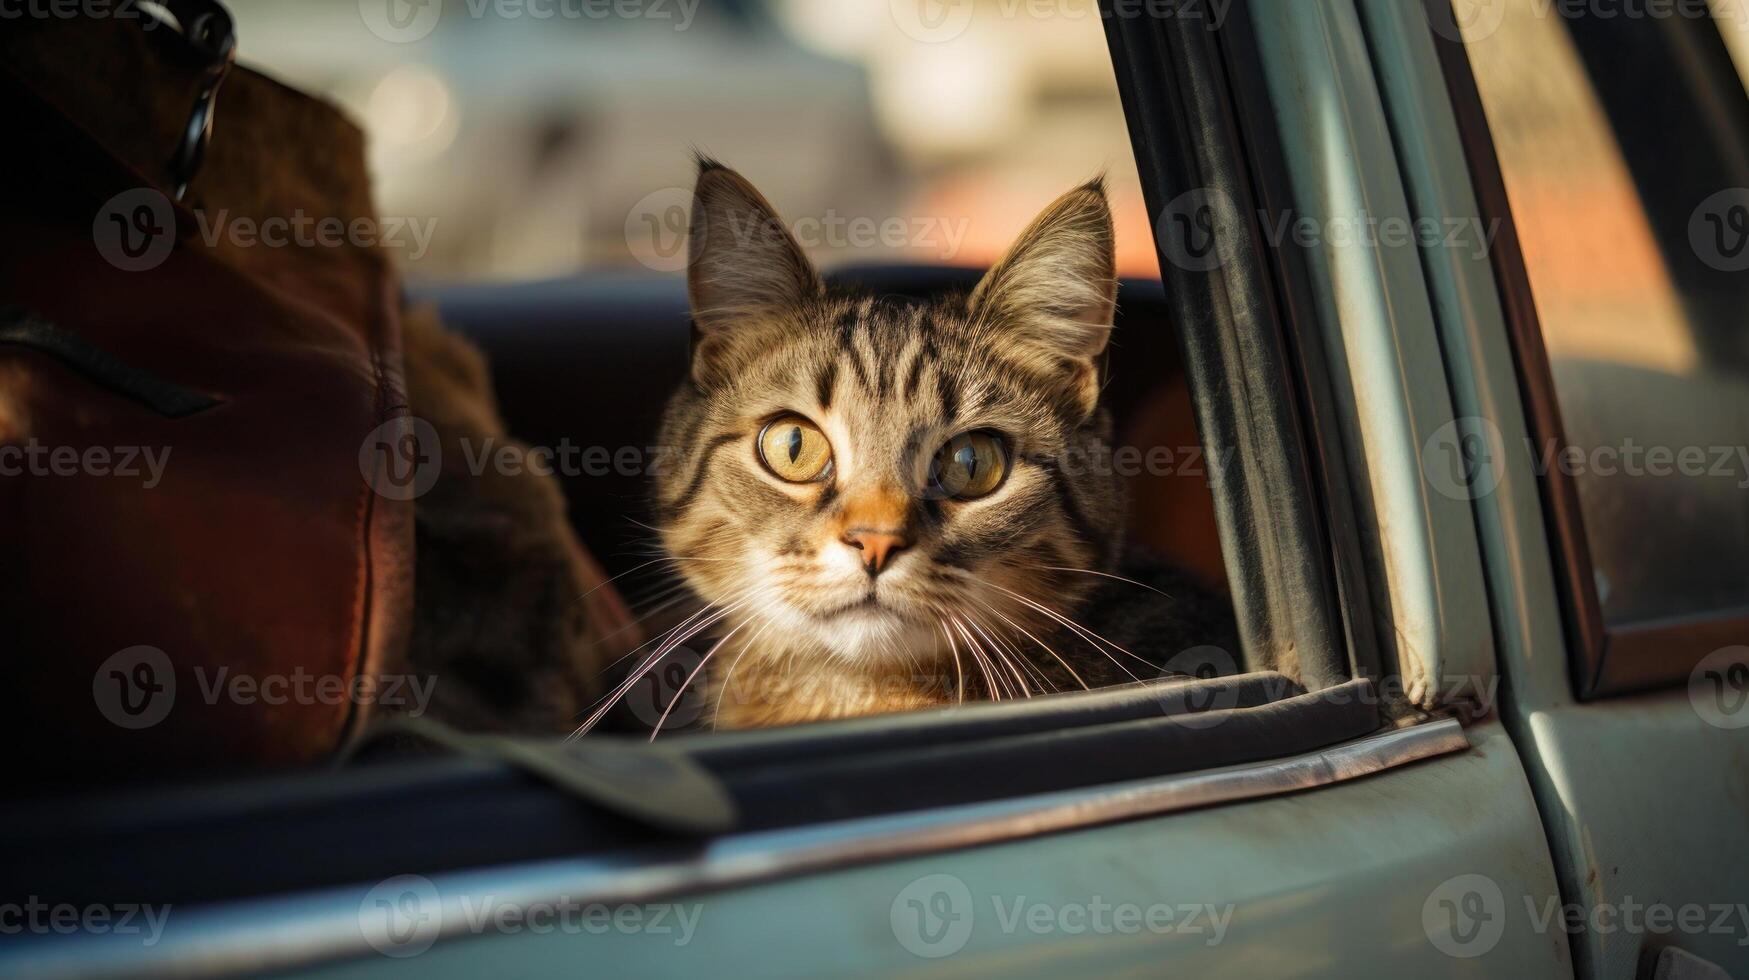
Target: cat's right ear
{"x": 742, "y": 265}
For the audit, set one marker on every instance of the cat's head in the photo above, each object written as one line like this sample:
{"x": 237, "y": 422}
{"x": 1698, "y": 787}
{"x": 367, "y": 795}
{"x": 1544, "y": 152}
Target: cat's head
{"x": 879, "y": 476}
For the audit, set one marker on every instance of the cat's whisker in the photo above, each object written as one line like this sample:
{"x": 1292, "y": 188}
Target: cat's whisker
{"x": 1115, "y": 578}
{"x": 681, "y": 692}
{"x": 747, "y": 646}
{"x": 1092, "y": 638}
{"x": 661, "y": 636}
{"x": 1042, "y": 645}
{"x": 983, "y": 657}
{"x": 674, "y": 596}
{"x": 1025, "y": 661}
{"x": 959, "y": 670}
{"x": 664, "y": 559}
{"x": 959, "y": 675}
{"x": 990, "y": 687}
{"x": 1001, "y": 654}
{"x": 680, "y": 634}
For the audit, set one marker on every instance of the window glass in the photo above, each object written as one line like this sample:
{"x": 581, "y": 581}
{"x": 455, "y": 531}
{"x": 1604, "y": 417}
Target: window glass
{"x": 548, "y": 136}
{"x": 1622, "y": 147}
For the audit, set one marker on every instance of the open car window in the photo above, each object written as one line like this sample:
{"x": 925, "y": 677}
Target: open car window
{"x": 513, "y": 669}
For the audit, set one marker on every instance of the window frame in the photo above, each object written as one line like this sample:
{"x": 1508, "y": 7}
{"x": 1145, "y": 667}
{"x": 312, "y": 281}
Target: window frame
{"x": 1604, "y": 660}
{"x": 1200, "y": 123}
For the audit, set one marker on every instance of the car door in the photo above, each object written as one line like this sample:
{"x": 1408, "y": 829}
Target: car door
{"x": 1612, "y": 390}
{"x": 1353, "y": 803}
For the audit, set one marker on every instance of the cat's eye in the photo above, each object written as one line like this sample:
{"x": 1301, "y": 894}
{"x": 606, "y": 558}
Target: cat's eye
{"x": 970, "y": 465}
{"x": 795, "y": 449}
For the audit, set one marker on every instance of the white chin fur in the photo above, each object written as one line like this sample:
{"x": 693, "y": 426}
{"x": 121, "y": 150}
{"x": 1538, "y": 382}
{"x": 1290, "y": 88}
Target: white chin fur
{"x": 872, "y": 635}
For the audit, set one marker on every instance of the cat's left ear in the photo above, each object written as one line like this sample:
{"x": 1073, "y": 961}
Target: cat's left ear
{"x": 1056, "y": 290}
{"x": 743, "y": 266}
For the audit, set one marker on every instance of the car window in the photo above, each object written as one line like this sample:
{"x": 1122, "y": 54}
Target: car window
{"x": 549, "y": 138}
{"x": 1622, "y": 146}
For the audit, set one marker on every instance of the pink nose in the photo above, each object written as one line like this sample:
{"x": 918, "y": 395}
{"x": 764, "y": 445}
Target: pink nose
{"x": 877, "y": 547}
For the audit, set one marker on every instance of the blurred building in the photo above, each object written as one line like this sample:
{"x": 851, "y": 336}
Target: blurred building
{"x": 547, "y": 137}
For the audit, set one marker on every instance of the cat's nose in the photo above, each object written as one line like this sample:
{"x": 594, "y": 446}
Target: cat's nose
{"x": 878, "y": 547}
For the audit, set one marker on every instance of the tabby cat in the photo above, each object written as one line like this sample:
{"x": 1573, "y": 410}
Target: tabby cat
{"x": 891, "y": 504}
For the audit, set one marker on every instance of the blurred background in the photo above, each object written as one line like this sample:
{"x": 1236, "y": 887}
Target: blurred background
{"x": 545, "y": 137}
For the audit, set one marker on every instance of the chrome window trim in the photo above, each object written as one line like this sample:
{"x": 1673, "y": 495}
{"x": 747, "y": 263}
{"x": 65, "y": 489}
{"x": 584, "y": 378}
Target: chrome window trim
{"x": 281, "y": 933}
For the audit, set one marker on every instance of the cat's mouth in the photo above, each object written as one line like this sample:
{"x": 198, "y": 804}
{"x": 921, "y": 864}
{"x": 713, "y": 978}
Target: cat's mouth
{"x": 869, "y": 607}
{"x": 870, "y": 602}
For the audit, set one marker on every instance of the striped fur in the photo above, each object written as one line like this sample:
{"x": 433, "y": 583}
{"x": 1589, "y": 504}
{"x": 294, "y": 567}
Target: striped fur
{"x": 968, "y": 609}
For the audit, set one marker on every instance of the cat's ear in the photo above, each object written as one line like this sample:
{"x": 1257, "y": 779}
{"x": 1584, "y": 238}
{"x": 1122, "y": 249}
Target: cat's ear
{"x": 1056, "y": 289}
{"x": 742, "y": 264}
